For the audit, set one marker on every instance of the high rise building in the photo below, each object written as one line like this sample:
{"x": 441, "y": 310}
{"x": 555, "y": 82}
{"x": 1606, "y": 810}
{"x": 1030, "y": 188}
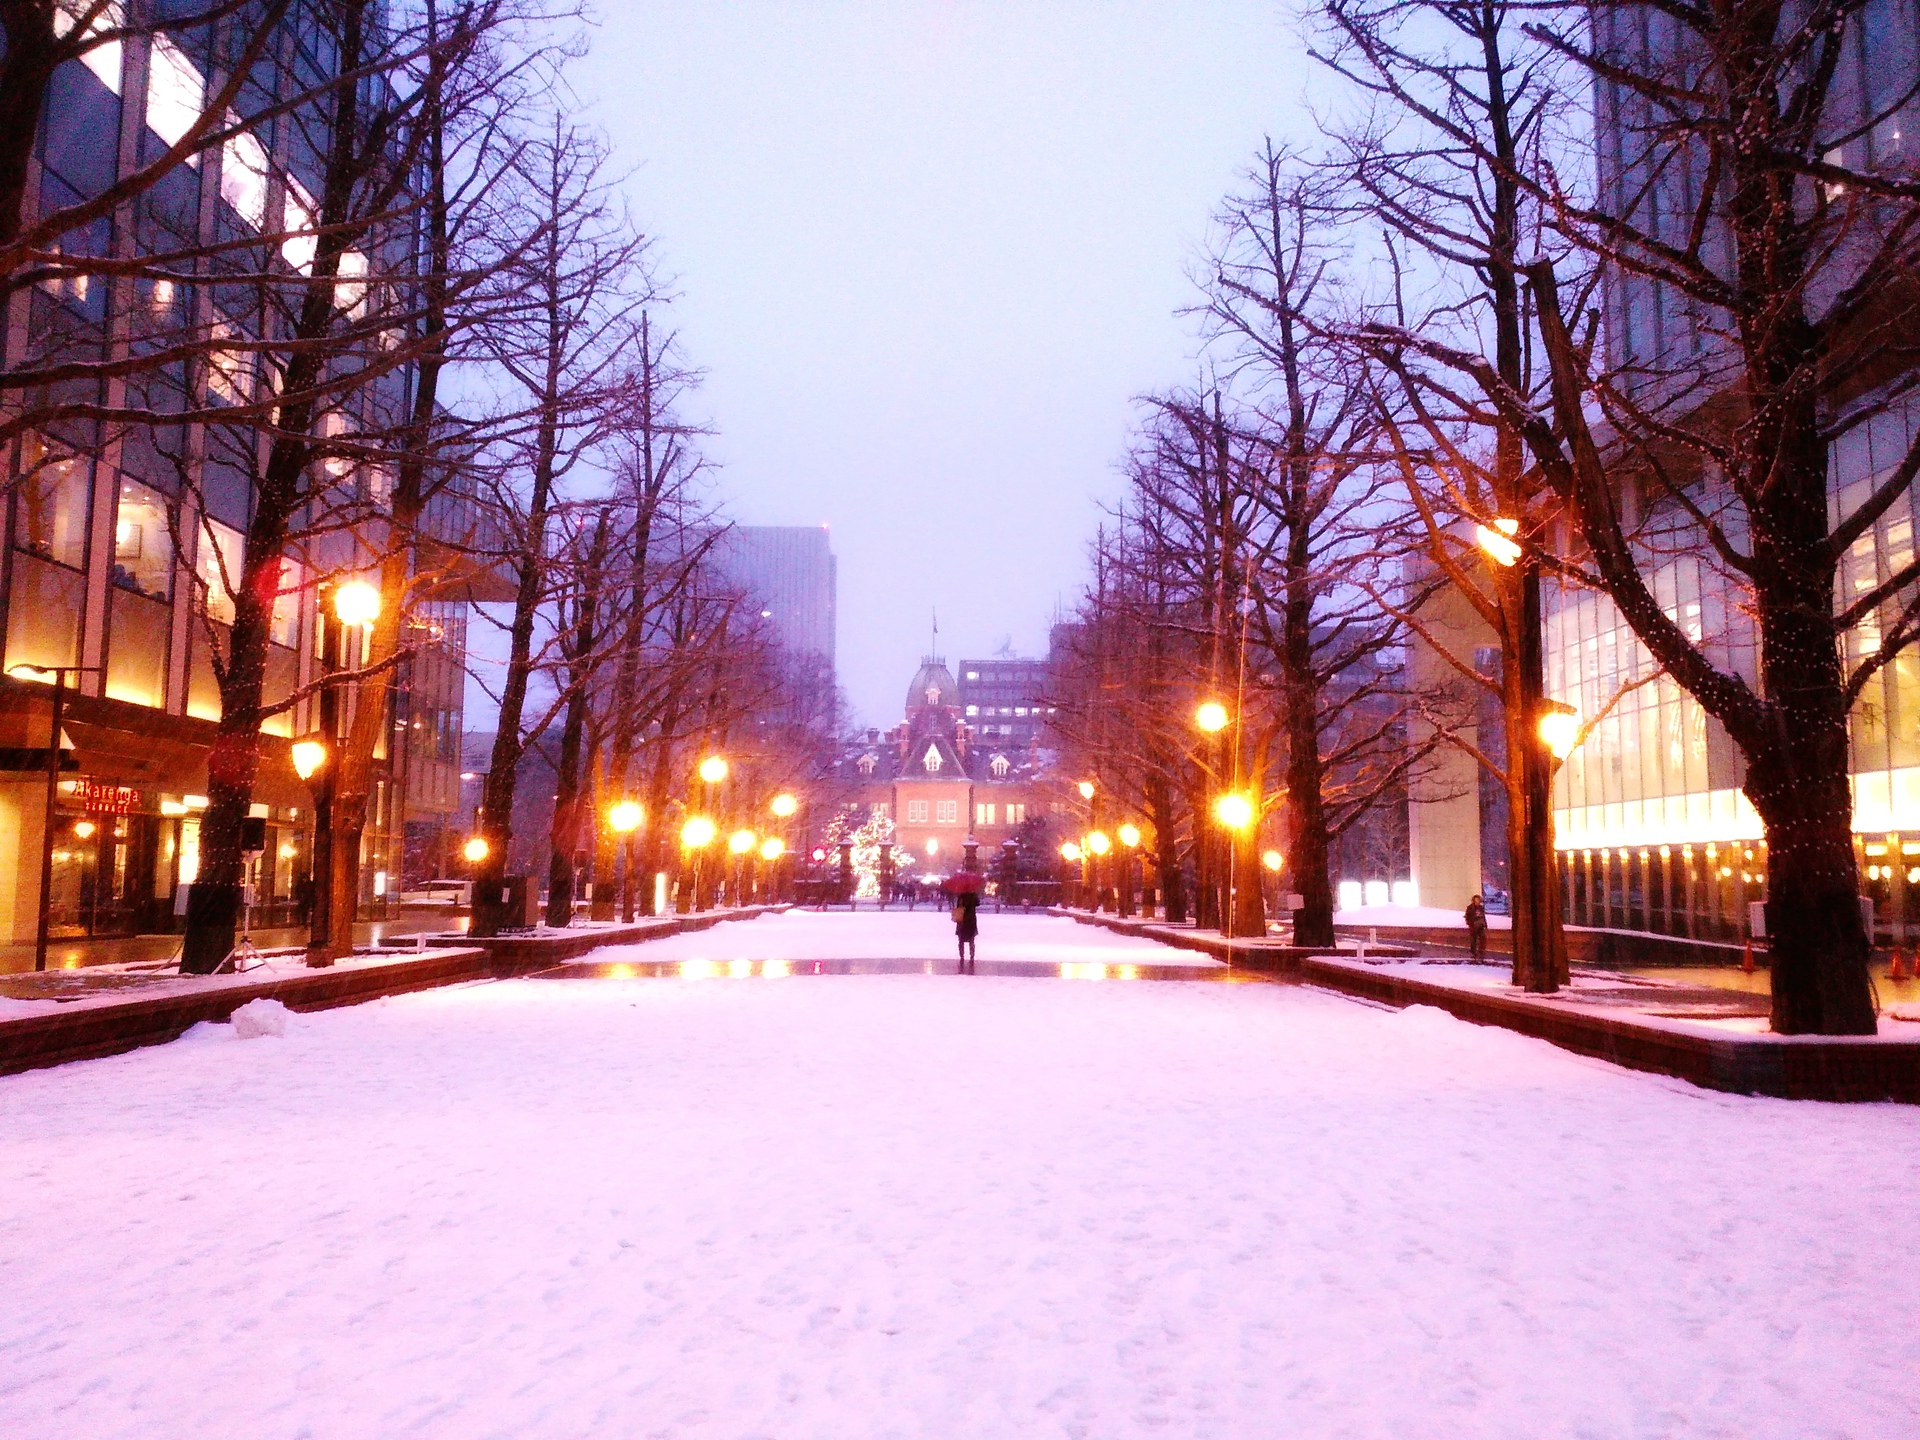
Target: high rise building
{"x": 791, "y": 573}
{"x": 1004, "y": 699}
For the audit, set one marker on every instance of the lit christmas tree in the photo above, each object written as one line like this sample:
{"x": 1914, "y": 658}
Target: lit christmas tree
{"x": 868, "y": 833}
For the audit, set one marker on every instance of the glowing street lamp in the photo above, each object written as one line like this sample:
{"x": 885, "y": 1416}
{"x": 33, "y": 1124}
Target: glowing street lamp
{"x": 1273, "y": 860}
{"x": 741, "y": 841}
{"x": 1130, "y": 835}
{"x": 772, "y": 848}
{"x": 713, "y": 769}
{"x": 784, "y": 806}
{"x": 1098, "y": 842}
{"x": 1559, "y": 727}
{"x": 1070, "y": 853}
{"x": 356, "y": 602}
{"x": 1499, "y": 542}
{"x": 308, "y": 756}
{"x": 1211, "y": 717}
{"x": 1086, "y": 789}
{"x": 625, "y": 818}
{"x": 933, "y": 848}
{"x": 697, "y": 833}
{"x": 476, "y": 850}
{"x": 1233, "y": 810}
{"x": 83, "y": 829}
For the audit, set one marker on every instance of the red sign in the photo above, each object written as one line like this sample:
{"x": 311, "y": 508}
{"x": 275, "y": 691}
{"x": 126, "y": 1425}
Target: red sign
{"x": 97, "y": 799}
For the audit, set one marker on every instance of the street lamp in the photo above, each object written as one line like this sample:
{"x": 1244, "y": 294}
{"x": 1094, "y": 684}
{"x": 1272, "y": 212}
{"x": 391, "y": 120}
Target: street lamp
{"x": 1130, "y": 835}
{"x": 1086, "y": 789}
{"x": 1273, "y": 860}
{"x": 1211, "y": 717}
{"x": 713, "y": 769}
{"x": 1233, "y": 810}
{"x": 623, "y": 819}
{"x": 1499, "y": 543}
{"x": 1098, "y": 842}
{"x": 1070, "y": 853}
{"x": 696, "y": 835}
{"x": 784, "y": 806}
{"x": 1559, "y": 727}
{"x": 476, "y": 850}
{"x": 310, "y": 762}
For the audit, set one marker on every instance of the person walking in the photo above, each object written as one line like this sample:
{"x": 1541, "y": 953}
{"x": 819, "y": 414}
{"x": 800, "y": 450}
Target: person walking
{"x": 966, "y": 926}
{"x": 1476, "y": 917}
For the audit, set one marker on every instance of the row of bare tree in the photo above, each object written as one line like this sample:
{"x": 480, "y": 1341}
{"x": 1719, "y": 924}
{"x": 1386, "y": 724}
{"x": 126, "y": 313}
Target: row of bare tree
{"x": 342, "y": 282}
{"x": 1610, "y": 289}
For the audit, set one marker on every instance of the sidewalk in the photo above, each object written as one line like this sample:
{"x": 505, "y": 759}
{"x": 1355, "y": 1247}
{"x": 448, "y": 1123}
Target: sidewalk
{"x": 81, "y": 953}
{"x": 1710, "y": 1035}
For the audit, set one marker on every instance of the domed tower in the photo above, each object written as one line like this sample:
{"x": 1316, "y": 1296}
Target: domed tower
{"x": 933, "y": 700}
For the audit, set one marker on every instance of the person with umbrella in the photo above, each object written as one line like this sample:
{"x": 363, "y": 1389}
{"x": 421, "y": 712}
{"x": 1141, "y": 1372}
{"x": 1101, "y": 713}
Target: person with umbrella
{"x": 965, "y": 888}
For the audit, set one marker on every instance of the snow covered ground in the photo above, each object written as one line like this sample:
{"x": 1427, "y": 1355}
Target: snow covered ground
{"x": 937, "y": 1207}
{"x": 899, "y": 934}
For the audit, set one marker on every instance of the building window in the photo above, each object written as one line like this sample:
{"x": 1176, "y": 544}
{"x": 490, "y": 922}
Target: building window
{"x": 983, "y": 814}
{"x": 865, "y": 764}
{"x": 216, "y": 568}
{"x": 142, "y": 542}
{"x": 286, "y": 603}
{"x": 916, "y": 812}
{"x": 53, "y": 511}
{"x": 175, "y": 92}
{"x": 880, "y": 810}
{"x": 1016, "y": 814}
{"x": 946, "y": 812}
{"x": 932, "y": 763}
{"x": 999, "y": 765}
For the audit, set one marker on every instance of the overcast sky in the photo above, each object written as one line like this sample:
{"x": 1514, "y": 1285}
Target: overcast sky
{"x": 928, "y": 251}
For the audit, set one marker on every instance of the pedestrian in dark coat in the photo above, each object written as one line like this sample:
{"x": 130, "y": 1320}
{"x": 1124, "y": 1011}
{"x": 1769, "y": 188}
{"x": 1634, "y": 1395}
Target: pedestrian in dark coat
{"x": 966, "y": 926}
{"x": 1476, "y": 916}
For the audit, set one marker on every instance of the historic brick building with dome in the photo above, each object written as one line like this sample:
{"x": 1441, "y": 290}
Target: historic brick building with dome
{"x": 940, "y": 782}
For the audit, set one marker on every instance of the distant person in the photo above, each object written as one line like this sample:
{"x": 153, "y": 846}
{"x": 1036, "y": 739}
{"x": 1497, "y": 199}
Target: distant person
{"x": 966, "y": 926}
{"x": 1476, "y": 917}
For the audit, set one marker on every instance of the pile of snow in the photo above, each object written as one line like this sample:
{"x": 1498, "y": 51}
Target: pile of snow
{"x": 1429, "y": 917}
{"x": 839, "y": 1208}
{"x": 261, "y": 1017}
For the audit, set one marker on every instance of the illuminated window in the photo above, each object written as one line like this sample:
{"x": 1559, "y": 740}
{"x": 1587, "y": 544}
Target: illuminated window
{"x": 175, "y": 92}
{"x": 142, "y": 542}
{"x": 1016, "y": 814}
{"x": 931, "y": 764}
{"x": 102, "y": 60}
{"x": 53, "y": 509}
{"x": 243, "y": 178}
{"x": 301, "y": 214}
{"x": 916, "y": 812}
{"x": 946, "y": 812}
{"x": 983, "y": 814}
{"x": 229, "y": 369}
{"x": 217, "y": 558}
{"x": 999, "y": 765}
{"x": 865, "y": 764}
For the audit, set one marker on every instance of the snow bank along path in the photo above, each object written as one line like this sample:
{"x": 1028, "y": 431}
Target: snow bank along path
{"x": 937, "y": 1207}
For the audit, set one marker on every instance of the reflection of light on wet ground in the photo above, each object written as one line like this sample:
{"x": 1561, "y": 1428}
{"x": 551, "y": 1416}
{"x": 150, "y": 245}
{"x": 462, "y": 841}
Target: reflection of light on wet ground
{"x": 1086, "y": 971}
{"x": 739, "y": 969}
{"x": 776, "y": 969}
{"x": 697, "y": 969}
{"x": 620, "y": 972}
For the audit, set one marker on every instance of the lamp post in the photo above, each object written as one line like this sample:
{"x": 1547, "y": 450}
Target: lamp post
{"x": 623, "y": 819}
{"x": 59, "y": 675}
{"x": 1129, "y": 834}
{"x": 1539, "y": 942}
{"x": 1235, "y": 812}
{"x": 771, "y": 849}
{"x": 1211, "y": 719}
{"x": 310, "y": 763}
{"x": 740, "y": 845}
{"x": 695, "y": 836}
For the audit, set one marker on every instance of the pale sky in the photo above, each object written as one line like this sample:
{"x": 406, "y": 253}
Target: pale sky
{"x": 928, "y": 251}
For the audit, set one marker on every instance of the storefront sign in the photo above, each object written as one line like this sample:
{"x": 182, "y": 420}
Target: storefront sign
{"x": 98, "y": 799}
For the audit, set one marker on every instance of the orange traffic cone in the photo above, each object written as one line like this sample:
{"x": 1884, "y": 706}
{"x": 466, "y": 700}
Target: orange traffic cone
{"x": 1899, "y": 967}
{"x": 1746, "y": 960}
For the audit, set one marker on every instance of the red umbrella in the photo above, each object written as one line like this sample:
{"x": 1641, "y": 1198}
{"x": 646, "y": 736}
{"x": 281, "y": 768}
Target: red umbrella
{"x": 964, "y": 883}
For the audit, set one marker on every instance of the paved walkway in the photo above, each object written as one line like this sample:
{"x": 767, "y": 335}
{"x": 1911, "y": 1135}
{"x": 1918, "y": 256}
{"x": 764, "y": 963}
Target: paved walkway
{"x": 148, "y": 949}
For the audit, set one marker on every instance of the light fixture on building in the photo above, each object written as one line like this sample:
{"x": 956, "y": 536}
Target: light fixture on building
{"x": 308, "y": 757}
{"x": 933, "y": 848}
{"x": 83, "y": 829}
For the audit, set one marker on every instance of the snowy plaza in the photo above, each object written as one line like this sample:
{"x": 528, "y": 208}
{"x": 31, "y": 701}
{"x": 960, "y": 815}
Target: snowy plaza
{"x": 935, "y": 1205}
